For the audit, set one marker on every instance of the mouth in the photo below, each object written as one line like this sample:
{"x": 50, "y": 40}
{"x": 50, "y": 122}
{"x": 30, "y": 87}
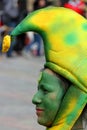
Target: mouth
{"x": 39, "y": 111}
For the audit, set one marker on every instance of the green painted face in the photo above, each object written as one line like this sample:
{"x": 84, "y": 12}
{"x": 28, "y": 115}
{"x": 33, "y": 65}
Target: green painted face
{"x": 48, "y": 97}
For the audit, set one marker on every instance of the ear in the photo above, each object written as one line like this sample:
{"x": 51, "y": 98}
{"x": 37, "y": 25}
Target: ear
{"x": 72, "y": 106}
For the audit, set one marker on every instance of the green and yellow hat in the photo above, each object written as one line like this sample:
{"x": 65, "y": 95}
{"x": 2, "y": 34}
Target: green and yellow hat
{"x": 64, "y": 34}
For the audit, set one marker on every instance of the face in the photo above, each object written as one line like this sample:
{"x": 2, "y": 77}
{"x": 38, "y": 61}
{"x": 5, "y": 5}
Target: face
{"x": 42, "y": 3}
{"x": 48, "y": 97}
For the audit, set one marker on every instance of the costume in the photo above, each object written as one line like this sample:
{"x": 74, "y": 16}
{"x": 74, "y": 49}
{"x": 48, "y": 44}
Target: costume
{"x": 65, "y": 44}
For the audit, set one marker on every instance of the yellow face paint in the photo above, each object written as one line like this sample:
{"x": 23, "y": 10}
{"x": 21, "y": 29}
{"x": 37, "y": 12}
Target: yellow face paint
{"x": 6, "y": 43}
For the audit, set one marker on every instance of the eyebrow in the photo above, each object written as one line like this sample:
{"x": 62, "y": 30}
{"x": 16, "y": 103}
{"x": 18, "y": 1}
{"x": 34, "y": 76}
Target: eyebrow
{"x": 66, "y": 83}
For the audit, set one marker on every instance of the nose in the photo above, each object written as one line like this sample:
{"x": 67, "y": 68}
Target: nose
{"x": 37, "y": 98}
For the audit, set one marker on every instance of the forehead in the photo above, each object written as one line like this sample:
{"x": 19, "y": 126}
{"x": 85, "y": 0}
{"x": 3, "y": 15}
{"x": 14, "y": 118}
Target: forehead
{"x": 46, "y": 70}
{"x": 48, "y": 76}
{"x": 49, "y": 71}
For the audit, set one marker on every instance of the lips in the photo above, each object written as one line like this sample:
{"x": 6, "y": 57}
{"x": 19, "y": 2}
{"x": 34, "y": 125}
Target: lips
{"x": 39, "y": 111}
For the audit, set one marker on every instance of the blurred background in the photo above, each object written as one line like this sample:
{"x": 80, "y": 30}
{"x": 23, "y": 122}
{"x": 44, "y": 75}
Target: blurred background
{"x": 20, "y": 66}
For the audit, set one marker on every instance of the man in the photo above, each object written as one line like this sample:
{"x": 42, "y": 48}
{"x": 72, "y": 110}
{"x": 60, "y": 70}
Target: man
{"x": 64, "y": 34}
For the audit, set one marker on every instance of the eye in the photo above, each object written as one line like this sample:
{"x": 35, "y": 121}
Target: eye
{"x": 45, "y": 91}
{"x": 43, "y": 88}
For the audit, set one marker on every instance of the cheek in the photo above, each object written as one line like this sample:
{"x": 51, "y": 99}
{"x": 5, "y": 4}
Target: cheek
{"x": 53, "y": 97}
{"x": 56, "y": 96}
{"x": 52, "y": 101}
{"x": 51, "y": 105}
{"x": 55, "y": 100}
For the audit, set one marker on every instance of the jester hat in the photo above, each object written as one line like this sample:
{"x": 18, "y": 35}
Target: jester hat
{"x": 64, "y": 34}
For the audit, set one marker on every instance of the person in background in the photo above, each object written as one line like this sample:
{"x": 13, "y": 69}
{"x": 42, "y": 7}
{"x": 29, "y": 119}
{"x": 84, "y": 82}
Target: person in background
{"x": 10, "y": 19}
{"x": 63, "y": 2}
{"x": 38, "y": 4}
{"x": 76, "y": 5}
{"x": 20, "y": 40}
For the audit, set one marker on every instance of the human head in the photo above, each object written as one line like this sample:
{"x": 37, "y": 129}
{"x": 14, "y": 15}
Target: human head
{"x": 51, "y": 89}
{"x": 38, "y": 4}
{"x": 65, "y": 53}
{"x": 42, "y": 3}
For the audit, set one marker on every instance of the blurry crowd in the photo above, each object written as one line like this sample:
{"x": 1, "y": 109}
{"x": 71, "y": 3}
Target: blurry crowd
{"x": 13, "y": 11}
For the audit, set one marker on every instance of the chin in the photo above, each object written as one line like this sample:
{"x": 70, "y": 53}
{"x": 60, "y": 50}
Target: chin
{"x": 44, "y": 123}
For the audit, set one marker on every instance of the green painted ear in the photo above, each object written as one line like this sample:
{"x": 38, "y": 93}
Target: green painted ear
{"x": 64, "y": 34}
